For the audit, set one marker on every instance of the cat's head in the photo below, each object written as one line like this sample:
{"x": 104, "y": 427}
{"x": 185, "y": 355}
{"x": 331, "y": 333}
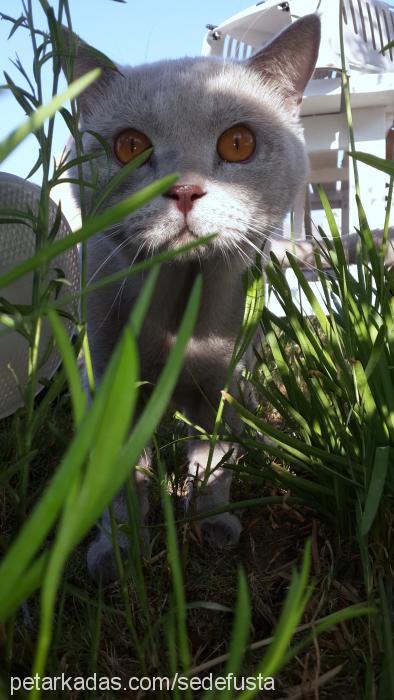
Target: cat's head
{"x": 230, "y": 129}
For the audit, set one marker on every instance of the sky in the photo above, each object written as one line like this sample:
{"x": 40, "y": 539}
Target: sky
{"x": 131, "y": 33}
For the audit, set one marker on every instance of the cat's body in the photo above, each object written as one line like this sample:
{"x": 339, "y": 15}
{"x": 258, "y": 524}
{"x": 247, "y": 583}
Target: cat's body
{"x": 200, "y": 115}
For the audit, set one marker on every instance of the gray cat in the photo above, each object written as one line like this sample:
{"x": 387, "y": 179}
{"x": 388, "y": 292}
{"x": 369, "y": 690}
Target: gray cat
{"x": 232, "y": 131}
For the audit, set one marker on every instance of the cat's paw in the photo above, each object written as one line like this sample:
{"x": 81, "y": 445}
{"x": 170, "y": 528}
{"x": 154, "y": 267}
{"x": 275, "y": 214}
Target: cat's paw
{"x": 221, "y": 530}
{"x": 101, "y": 561}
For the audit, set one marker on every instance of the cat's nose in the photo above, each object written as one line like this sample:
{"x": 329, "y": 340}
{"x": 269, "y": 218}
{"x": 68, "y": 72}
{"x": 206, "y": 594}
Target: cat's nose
{"x": 185, "y": 196}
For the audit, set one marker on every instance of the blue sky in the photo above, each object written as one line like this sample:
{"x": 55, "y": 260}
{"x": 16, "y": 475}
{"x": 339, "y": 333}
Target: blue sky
{"x": 135, "y": 32}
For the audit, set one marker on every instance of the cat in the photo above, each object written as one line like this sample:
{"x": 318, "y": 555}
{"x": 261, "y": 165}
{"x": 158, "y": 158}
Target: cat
{"x": 232, "y": 131}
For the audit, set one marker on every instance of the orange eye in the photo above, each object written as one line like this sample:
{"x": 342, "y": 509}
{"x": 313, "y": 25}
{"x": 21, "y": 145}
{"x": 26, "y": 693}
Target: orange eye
{"x": 129, "y": 144}
{"x": 236, "y": 144}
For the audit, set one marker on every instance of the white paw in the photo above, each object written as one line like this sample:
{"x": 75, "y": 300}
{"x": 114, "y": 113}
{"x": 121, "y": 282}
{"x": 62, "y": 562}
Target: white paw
{"x": 222, "y": 530}
{"x": 101, "y": 562}
{"x": 100, "y": 556}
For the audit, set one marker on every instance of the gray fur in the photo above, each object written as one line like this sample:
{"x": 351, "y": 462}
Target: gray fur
{"x": 184, "y": 106}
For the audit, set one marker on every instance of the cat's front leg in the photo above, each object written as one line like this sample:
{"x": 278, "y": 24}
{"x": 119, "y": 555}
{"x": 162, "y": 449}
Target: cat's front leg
{"x": 100, "y": 556}
{"x": 209, "y": 488}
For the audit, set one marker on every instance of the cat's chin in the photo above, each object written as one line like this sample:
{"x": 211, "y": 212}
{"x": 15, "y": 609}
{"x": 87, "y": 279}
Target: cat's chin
{"x": 184, "y": 236}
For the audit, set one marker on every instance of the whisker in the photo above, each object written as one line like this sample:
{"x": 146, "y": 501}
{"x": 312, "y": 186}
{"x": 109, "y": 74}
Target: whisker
{"x": 112, "y": 253}
{"x": 120, "y": 291}
{"x": 282, "y": 240}
{"x": 304, "y": 263}
{"x": 125, "y": 279}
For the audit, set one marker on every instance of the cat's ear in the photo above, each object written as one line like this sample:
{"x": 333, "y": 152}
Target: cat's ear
{"x": 78, "y": 58}
{"x": 289, "y": 59}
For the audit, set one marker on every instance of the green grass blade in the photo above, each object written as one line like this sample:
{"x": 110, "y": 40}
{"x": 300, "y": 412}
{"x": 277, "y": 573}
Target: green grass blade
{"x": 176, "y": 569}
{"x": 387, "y": 681}
{"x": 118, "y": 178}
{"x": 293, "y": 608}
{"x": 24, "y": 587}
{"x": 37, "y": 527}
{"x": 78, "y": 396}
{"x": 45, "y": 513}
{"x": 158, "y": 401}
{"x": 240, "y": 631}
{"x": 311, "y": 297}
{"x": 91, "y": 226}
{"x": 147, "y": 423}
{"x": 144, "y": 298}
{"x": 120, "y": 400}
{"x": 37, "y": 118}
{"x": 84, "y": 506}
{"x": 376, "y": 488}
{"x": 239, "y": 638}
{"x": 292, "y": 445}
{"x": 385, "y": 166}
{"x": 254, "y": 304}
{"x": 350, "y": 613}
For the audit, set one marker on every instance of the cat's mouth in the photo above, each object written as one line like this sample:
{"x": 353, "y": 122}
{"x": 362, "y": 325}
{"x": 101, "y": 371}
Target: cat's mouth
{"x": 184, "y": 235}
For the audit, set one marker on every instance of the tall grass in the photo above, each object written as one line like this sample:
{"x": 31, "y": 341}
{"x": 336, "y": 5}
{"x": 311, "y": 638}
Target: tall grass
{"x": 336, "y": 394}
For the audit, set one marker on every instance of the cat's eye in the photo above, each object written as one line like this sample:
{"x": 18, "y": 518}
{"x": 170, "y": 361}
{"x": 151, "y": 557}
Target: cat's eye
{"x": 129, "y": 144}
{"x": 236, "y": 144}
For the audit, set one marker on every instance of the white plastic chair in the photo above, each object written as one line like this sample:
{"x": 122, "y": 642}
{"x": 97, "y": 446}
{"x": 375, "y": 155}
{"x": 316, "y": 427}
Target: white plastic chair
{"x": 368, "y": 27}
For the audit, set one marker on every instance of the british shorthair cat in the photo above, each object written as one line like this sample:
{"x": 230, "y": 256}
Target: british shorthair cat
{"x": 232, "y": 131}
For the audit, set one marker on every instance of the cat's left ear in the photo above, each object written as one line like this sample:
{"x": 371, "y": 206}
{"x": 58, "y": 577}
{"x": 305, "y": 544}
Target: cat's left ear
{"x": 289, "y": 59}
{"x": 78, "y": 58}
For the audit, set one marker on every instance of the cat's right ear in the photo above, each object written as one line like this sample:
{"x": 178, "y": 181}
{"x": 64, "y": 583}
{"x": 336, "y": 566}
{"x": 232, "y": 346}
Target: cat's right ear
{"x": 78, "y": 58}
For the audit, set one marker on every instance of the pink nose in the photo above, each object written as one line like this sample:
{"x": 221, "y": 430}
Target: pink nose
{"x": 185, "y": 196}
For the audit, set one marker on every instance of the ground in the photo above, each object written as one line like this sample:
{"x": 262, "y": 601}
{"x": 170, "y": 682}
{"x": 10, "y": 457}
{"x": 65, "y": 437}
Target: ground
{"x": 91, "y": 630}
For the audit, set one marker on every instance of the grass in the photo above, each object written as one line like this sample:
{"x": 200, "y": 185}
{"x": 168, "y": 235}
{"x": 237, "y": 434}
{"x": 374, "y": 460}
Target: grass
{"x": 307, "y": 595}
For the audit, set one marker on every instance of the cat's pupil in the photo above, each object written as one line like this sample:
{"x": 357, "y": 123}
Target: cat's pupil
{"x": 130, "y": 143}
{"x": 237, "y": 143}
